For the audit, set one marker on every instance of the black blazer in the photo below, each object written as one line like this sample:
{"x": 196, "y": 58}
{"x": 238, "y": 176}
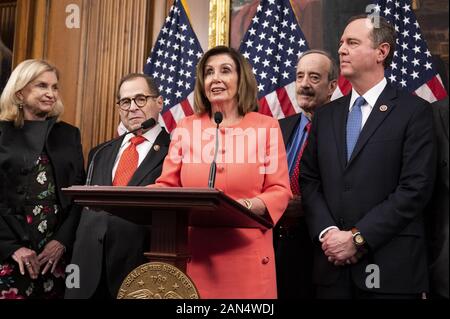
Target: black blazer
{"x": 382, "y": 190}
{"x": 63, "y": 145}
{"x": 100, "y": 234}
{"x": 288, "y": 126}
{"x": 437, "y": 213}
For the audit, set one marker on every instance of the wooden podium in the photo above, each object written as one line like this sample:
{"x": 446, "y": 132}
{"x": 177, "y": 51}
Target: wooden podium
{"x": 170, "y": 211}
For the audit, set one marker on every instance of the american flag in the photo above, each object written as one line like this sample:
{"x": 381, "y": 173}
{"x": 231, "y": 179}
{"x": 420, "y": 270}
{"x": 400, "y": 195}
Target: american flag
{"x": 272, "y": 45}
{"x": 172, "y": 65}
{"x": 412, "y": 68}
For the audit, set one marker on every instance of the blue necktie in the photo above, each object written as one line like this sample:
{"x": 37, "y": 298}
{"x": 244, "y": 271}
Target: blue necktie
{"x": 354, "y": 121}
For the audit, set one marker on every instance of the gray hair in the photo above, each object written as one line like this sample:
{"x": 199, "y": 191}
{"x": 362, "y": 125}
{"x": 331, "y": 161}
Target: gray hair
{"x": 333, "y": 72}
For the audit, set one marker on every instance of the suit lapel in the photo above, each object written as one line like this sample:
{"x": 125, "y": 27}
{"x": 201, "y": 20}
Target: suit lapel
{"x": 376, "y": 117}
{"x": 153, "y": 158}
{"x": 340, "y": 112}
{"x": 288, "y": 126}
{"x": 443, "y": 111}
{"x": 105, "y": 163}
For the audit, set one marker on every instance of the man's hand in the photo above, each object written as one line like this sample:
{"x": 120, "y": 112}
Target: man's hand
{"x": 338, "y": 246}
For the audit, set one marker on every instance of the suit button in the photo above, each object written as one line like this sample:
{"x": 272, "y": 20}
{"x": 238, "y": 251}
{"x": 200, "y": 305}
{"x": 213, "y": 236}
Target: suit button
{"x": 347, "y": 188}
{"x": 100, "y": 240}
{"x": 444, "y": 163}
{"x": 265, "y": 260}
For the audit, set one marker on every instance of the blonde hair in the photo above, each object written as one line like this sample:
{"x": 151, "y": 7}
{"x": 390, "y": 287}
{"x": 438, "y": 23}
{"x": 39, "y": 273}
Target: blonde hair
{"x": 10, "y": 105}
{"x": 247, "y": 86}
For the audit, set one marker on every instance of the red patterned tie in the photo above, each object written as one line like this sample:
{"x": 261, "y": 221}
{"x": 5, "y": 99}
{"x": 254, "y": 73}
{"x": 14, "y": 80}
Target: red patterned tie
{"x": 128, "y": 162}
{"x": 295, "y": 187}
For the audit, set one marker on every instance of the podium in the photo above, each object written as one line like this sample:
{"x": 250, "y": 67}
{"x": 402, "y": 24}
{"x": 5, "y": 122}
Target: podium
{"x": 170, "y": 211}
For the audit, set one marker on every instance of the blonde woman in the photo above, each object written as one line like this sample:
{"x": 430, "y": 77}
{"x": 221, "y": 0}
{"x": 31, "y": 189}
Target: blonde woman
{"x": 39, "y": 155}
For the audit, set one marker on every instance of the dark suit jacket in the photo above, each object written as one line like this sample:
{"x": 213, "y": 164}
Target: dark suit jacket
{"x": 288, "y": 126}
{"x": 63, "y": 146}
{"x": 382, "y": 190}
{"x": 437, "y": 212}
{"x": 293, "y": 247}
{"x": 100, "y": 234}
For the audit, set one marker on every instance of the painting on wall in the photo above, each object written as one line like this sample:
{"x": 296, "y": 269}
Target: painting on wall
{"x": 307, "y": 12}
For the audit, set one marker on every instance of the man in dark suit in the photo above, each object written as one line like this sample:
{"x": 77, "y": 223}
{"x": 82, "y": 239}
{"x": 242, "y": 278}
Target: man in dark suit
{"x": 107, "y": 248}
{"x": 316, "y": 78}
{"x": 366, "y": 175}
{"x": 437, "y": 212}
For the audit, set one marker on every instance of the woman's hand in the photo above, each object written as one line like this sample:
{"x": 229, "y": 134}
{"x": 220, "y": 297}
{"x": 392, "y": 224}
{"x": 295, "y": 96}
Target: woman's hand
{"x": 255, "y": 205}
{"x": 51, "y": 255}
{"x": 27, "y": 259}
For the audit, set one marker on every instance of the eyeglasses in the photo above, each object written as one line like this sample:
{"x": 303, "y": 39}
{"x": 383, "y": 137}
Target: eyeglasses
{"x": 140, "y": 101}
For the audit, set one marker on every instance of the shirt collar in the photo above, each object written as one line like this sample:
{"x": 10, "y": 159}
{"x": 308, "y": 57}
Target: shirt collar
{"x": 150, "y": 135}
{"x": 370, "y": 96}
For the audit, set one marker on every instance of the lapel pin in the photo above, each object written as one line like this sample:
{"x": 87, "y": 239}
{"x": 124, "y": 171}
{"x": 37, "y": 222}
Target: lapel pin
{"x": 156, "y": 147}
{"x": 383, "y": 108}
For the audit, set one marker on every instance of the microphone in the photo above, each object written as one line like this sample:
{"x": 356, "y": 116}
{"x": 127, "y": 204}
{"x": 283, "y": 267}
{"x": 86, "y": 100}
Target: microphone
{"x": 218, "y": 117}
{"x": 144, "y": 126}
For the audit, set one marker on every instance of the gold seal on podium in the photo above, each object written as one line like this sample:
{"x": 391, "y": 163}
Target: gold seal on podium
{"x": 157, "y": 280}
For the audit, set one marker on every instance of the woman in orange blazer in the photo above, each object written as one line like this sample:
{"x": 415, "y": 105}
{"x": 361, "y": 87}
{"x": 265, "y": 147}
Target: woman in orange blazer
{"x": 251, "y": 168}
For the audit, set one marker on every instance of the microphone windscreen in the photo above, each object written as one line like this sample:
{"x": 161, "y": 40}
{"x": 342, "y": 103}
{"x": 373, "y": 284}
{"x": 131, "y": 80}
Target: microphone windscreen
{"x": 218, "y": 117}
{"x": 148, "y": 123}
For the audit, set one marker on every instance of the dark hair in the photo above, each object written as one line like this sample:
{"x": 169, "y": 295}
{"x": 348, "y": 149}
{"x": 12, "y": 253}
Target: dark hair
{"x": 150, "y": 82}
{"x": 247, "y": 87}
{"x": 384, "y": 32}
{"x": 333, "y": 71}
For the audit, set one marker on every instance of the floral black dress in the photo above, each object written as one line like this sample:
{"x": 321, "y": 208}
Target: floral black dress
{"x": 41, "y": 210}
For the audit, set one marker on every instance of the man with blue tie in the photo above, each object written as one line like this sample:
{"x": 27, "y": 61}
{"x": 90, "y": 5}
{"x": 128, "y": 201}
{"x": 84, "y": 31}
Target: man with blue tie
{"x": 316, "y": 79}
{"x": 366, "y": 175}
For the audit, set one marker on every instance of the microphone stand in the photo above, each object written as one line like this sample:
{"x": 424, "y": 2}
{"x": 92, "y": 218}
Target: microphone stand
{"x": 218, "y": 117}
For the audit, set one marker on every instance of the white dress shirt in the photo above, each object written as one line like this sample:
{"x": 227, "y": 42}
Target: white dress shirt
{"x": 371, "y": 97}
{"x": 142, "y": 149}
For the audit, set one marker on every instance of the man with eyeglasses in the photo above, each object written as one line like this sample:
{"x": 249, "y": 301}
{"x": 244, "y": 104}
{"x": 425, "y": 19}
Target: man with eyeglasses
{"x": 107, "y": 248}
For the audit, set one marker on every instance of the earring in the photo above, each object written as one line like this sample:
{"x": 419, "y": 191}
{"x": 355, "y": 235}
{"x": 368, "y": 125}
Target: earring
{"x": 20, "y": 106}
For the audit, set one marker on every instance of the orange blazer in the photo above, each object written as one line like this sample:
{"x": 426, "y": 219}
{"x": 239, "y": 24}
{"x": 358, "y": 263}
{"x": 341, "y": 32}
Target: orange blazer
{"x": 251, "y": 161}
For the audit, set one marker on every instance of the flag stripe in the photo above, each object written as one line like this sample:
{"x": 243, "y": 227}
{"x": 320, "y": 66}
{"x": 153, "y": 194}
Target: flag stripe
{"x": 264, "y": 107}
{"x": 274, "y": 105}
{"x": 344, "y": 85}
{"x": 290, "y": 90}
{"x": 437, "y": 87}
{"x": 187, "y": 109}
{"x": 169, "y": 121}
{"x": 425, "y": 93}
{"x": 285, "y": 102}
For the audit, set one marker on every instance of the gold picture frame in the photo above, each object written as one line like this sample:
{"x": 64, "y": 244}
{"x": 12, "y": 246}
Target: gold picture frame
{"x": 219, "y": 23}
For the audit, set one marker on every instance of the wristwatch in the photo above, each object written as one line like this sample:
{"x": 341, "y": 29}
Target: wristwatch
{"x": 358, "y": 239}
